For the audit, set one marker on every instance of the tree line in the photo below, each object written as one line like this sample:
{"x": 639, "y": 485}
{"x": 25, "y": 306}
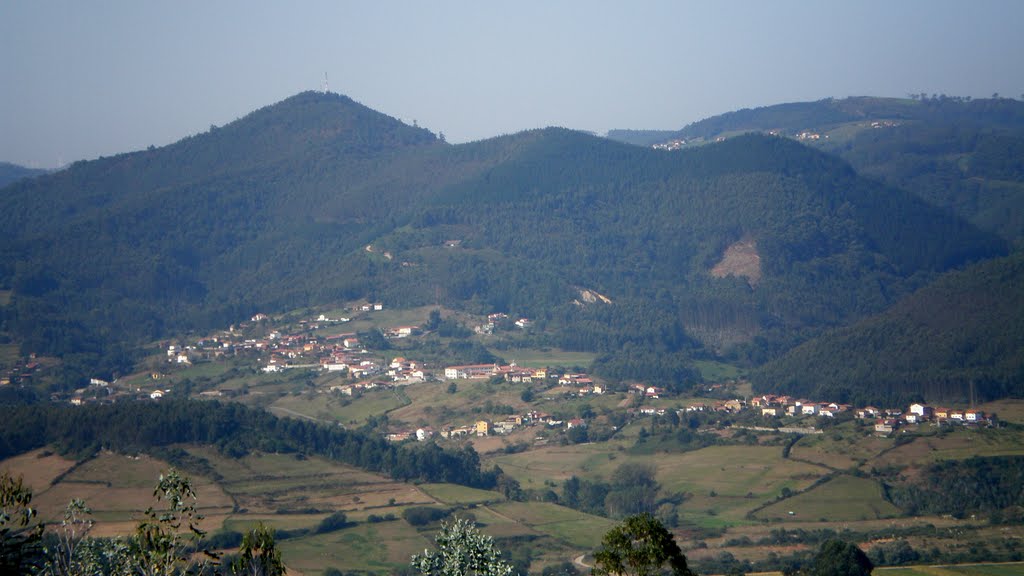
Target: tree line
{"x": 235, "y": 430}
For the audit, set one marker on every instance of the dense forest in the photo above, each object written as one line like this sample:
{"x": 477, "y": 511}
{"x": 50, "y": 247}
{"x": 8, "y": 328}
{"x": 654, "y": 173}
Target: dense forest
{"x": 156, "y": 427}
{"x": 963, "y": 331}
{"x": 318, "y": 199}
{"x": 960, "y": 487}
{"x": 957, "y": 153}
{"x": 12, "y": 173}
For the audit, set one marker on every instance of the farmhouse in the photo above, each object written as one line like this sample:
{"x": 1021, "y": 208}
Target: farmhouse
{"x": 483, "y": 428}
{"x": 885, "y": 425}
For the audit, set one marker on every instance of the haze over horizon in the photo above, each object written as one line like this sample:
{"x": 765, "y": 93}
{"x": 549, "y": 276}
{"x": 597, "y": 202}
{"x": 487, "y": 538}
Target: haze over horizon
{"x": 83, "y": 80}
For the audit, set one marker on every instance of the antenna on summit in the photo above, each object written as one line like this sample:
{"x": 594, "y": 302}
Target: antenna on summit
{"x": 323, "y": 87}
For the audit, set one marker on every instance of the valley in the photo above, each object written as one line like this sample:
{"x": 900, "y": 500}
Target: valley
{"x": 736, "y": 489}
{"x": 770, "y": 329}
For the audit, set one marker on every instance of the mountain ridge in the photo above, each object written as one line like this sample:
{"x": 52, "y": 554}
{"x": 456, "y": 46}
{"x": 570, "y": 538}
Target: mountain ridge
{"x": 956, "y": 153}
{"x": 107, "y": 253}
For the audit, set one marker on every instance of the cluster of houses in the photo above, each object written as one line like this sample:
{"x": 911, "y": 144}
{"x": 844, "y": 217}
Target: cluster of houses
{"x": 772, "y": 405}
{"x": 284, "y": 350}
{"x": 485, "y": 427}
{"x": 496, "y": 319}
{"x": 20, "y": 373}
{"x": 677, "y": 144}
{"x": 888, "y": 421}
{"x": 577, "y": 384}
{"x": 808, "y": 135}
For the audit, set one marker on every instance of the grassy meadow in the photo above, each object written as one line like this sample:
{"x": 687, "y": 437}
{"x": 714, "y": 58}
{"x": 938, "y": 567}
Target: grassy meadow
{"x": 844, "y": 498}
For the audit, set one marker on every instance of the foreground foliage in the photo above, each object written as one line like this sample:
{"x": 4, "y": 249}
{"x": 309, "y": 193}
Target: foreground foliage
{"x": 166, "y": 542}
{"x": 640, "y": 546}
{"x": 20, "y": 536}
{"x": 461, "y": 551}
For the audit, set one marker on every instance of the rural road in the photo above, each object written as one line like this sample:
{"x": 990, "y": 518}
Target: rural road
{"x": 579, "y": 562}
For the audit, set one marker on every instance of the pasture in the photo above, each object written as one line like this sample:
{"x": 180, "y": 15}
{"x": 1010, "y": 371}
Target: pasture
{"x": 350, "y": 411}
{"x": 38, "y": 468}
{"x": 283, "y": 483}
{"x": 1008, "y": 410}
{"x": 582, "y": 531}
{"x": 379, "y": 547}
{"x": 839, "y": 448}
{"x": 712, "y": 371}
{"x": 456, "y": 494}
{"x": 1007, "y": 569}
{"x": 841, "y": 499}
{"x": 953, "y": 444}
{"x": 544, "y": 357}
{"x": 116, "y": 487}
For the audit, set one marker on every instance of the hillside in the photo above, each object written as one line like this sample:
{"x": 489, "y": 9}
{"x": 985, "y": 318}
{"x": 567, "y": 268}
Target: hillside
{"x": 12, "y": 173}
{"x": 276, "y": 210}
{"x": 965, "y": 330}
{"x": 956, "y": 153}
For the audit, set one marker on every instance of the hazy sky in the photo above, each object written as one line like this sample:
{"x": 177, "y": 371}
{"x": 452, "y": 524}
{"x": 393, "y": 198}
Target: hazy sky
{"x": 82, "y": 79}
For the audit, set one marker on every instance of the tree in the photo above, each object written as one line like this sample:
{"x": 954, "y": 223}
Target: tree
{"x": 462, "y": 550}
{"x": 258, "y": 555}
{"x": 634, "y": 489}
{"x": 19, "y": 535}
{"x": 334, "y": 522}
{"x": 64, "y": 556}
{"x": 640, "y": 546}
{"x": 162, "y": 541}
{"x": 433, "y": 320}
{"x": 840, "y": 558}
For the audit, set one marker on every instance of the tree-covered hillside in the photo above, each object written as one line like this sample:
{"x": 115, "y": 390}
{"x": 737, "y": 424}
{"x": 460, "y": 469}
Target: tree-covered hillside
{"x": 957, "y": 153}
{"x": 12, "y": 173}
{"x": 318, "y": 199}
{"x": 964, "y": 330}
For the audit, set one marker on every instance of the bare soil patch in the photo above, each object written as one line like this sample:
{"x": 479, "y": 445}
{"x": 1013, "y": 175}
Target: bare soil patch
{"x": 740, "y": 259}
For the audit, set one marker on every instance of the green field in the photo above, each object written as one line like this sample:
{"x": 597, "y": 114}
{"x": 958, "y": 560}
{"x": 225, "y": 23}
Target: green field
{"x": 955, "y": 444}
{"x": 387, "y": 318}
{"x": 541, "y": 358}
{"x": 456, "y": 494}
{"x": 841, "y": 448}
{"x": 380, "y": 547}
{"x": 268, "y": 483}
{"x": 336, "y": 407}
{"x": 712, "y": 371}
{"x": 840, "y": 499}
{"x": 1007, "y": 569}
{"x": 575, "y": 528}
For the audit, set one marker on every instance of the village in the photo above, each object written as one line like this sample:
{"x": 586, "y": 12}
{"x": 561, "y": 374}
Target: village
{"x": 359, "y": 370}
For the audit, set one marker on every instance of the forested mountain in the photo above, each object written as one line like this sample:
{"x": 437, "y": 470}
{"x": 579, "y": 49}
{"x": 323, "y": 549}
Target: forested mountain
{"x": 961, "y": 154}
{"x": 964, "y": 330}
{"x": 12, "y": 173}
{"x": 318, "y": 199}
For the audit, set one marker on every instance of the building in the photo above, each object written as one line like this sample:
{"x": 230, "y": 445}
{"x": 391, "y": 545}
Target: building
{"x": 469, "y": 371}
{"x": 483, "y": 428}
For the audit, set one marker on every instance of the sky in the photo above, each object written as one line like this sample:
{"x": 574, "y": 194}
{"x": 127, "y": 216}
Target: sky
{"x": 79, "y": 80}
